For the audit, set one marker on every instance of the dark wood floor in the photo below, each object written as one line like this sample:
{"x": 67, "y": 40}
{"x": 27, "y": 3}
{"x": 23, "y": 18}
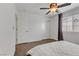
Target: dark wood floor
{"x": 21, "y": 49}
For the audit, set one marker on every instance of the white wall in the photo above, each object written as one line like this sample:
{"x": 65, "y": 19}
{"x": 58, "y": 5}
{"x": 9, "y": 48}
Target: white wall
{"x": 7, "y": 29}
{"x": 71, "y": 36}
{"x": 31, "y": 27}
{"x": 53, "y": 27}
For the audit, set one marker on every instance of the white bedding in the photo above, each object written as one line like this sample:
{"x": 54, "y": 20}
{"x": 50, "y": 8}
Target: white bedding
{"x": 60, "y": 48}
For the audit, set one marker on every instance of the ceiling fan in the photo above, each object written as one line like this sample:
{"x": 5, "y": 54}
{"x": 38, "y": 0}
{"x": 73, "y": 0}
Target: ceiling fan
{"x": 53, "y": 7}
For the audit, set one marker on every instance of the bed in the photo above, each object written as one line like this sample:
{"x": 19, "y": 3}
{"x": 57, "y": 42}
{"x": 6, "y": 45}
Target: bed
{"x": 59, "y": 48}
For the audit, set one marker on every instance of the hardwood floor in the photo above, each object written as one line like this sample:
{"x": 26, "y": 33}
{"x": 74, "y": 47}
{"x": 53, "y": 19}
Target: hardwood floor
{"x": 21, "y": 49}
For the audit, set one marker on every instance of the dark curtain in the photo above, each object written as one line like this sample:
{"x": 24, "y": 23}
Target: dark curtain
{"x": 60, "y": 33}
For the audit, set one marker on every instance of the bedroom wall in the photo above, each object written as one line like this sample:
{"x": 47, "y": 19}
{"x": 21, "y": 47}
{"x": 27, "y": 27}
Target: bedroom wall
{"x": 31, "y": 27}
{"x": 53, "y": 27}
{"x": 71, "y": 36}
{"x": 7, "y": 29}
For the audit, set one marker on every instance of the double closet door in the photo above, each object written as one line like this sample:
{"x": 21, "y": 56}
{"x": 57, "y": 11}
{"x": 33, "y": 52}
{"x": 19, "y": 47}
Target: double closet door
{"x": 30, "y": 27}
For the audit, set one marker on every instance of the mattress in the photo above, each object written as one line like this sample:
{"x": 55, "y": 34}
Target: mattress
{"x": 59, "y": 48}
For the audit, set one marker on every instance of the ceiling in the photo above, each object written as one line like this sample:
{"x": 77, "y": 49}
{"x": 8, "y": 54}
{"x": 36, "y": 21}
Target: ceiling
{"x": 35, "y": 7}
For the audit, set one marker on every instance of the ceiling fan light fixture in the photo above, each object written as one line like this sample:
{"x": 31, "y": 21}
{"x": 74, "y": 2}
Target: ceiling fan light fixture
{"x": 53, "y": 7}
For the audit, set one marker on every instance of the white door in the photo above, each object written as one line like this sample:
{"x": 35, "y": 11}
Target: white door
{"x": 7, "y": 29}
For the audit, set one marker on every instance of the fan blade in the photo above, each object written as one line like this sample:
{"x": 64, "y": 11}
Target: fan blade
{"x": 48, "y": 12}
{"x": 63, "y": 5}
{"x": 44, "y": 8}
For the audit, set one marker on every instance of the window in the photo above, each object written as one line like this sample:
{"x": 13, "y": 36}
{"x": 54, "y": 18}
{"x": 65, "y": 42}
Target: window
{"x": 71, "y": 24}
